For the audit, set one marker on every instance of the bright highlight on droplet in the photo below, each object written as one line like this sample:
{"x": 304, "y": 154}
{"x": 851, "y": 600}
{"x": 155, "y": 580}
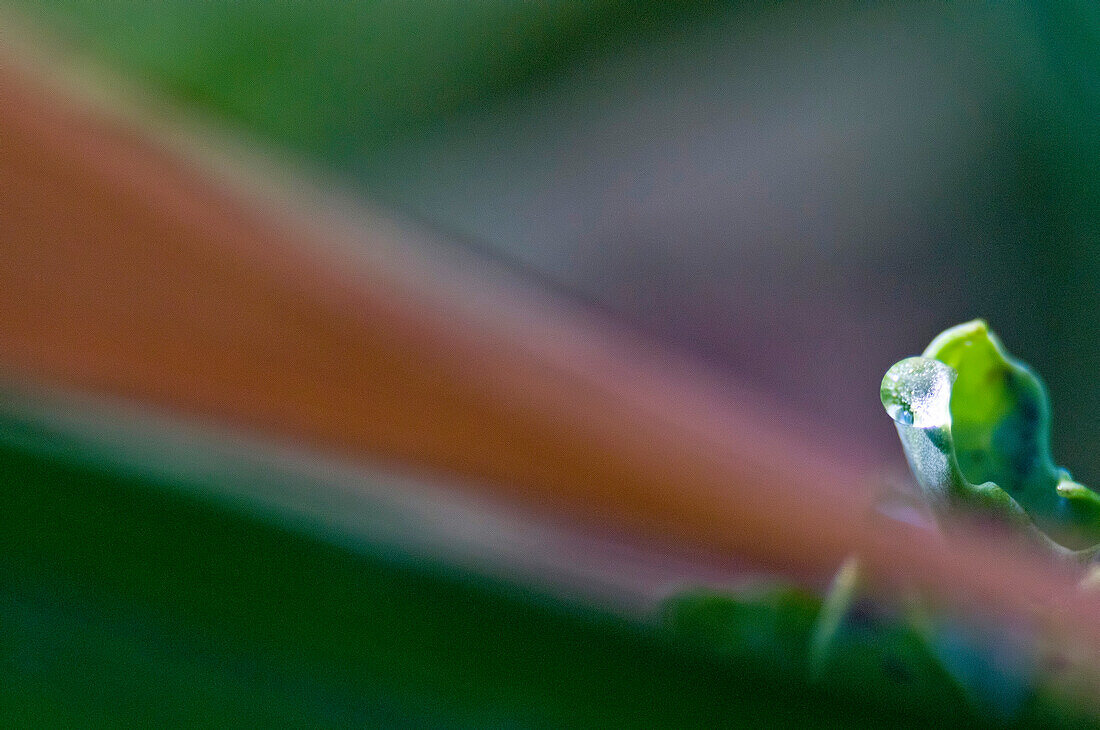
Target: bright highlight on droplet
{"x": 917, "y": 392}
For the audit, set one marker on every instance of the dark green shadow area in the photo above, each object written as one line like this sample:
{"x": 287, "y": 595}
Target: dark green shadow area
{"x": 332, "y": 78}
{"x": 123, "y": 601}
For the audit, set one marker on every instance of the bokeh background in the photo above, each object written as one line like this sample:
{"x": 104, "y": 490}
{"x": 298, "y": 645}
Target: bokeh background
{"x": 801, "y": 194}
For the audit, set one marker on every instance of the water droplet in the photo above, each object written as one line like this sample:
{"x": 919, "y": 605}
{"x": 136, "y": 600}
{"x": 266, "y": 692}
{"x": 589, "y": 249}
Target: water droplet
{"x": 900, "y": 413}
{"x": 917, "y": 392}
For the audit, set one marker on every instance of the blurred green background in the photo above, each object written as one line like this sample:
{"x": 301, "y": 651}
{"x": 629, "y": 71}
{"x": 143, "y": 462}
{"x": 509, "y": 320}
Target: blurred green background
{"x": 140, "y": 589}
{"x": 801, "y": 193}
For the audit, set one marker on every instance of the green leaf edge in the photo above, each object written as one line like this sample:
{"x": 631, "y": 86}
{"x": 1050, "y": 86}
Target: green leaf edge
{"x": 918, "y": 392}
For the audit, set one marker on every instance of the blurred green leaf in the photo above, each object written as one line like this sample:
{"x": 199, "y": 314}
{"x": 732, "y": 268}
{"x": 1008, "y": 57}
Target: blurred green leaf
{"x": 872, "y": 649}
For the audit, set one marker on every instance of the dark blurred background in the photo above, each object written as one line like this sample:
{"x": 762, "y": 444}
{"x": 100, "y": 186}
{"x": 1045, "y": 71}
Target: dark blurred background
{"x": 801, "y": 194}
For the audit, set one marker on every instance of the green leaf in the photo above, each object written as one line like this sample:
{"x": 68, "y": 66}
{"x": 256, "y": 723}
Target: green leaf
{"x": 975, "y": 426}
{"x": 873, "y": 652}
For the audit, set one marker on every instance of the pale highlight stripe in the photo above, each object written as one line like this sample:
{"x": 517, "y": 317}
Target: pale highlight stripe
{"x": 381, "y": 512}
